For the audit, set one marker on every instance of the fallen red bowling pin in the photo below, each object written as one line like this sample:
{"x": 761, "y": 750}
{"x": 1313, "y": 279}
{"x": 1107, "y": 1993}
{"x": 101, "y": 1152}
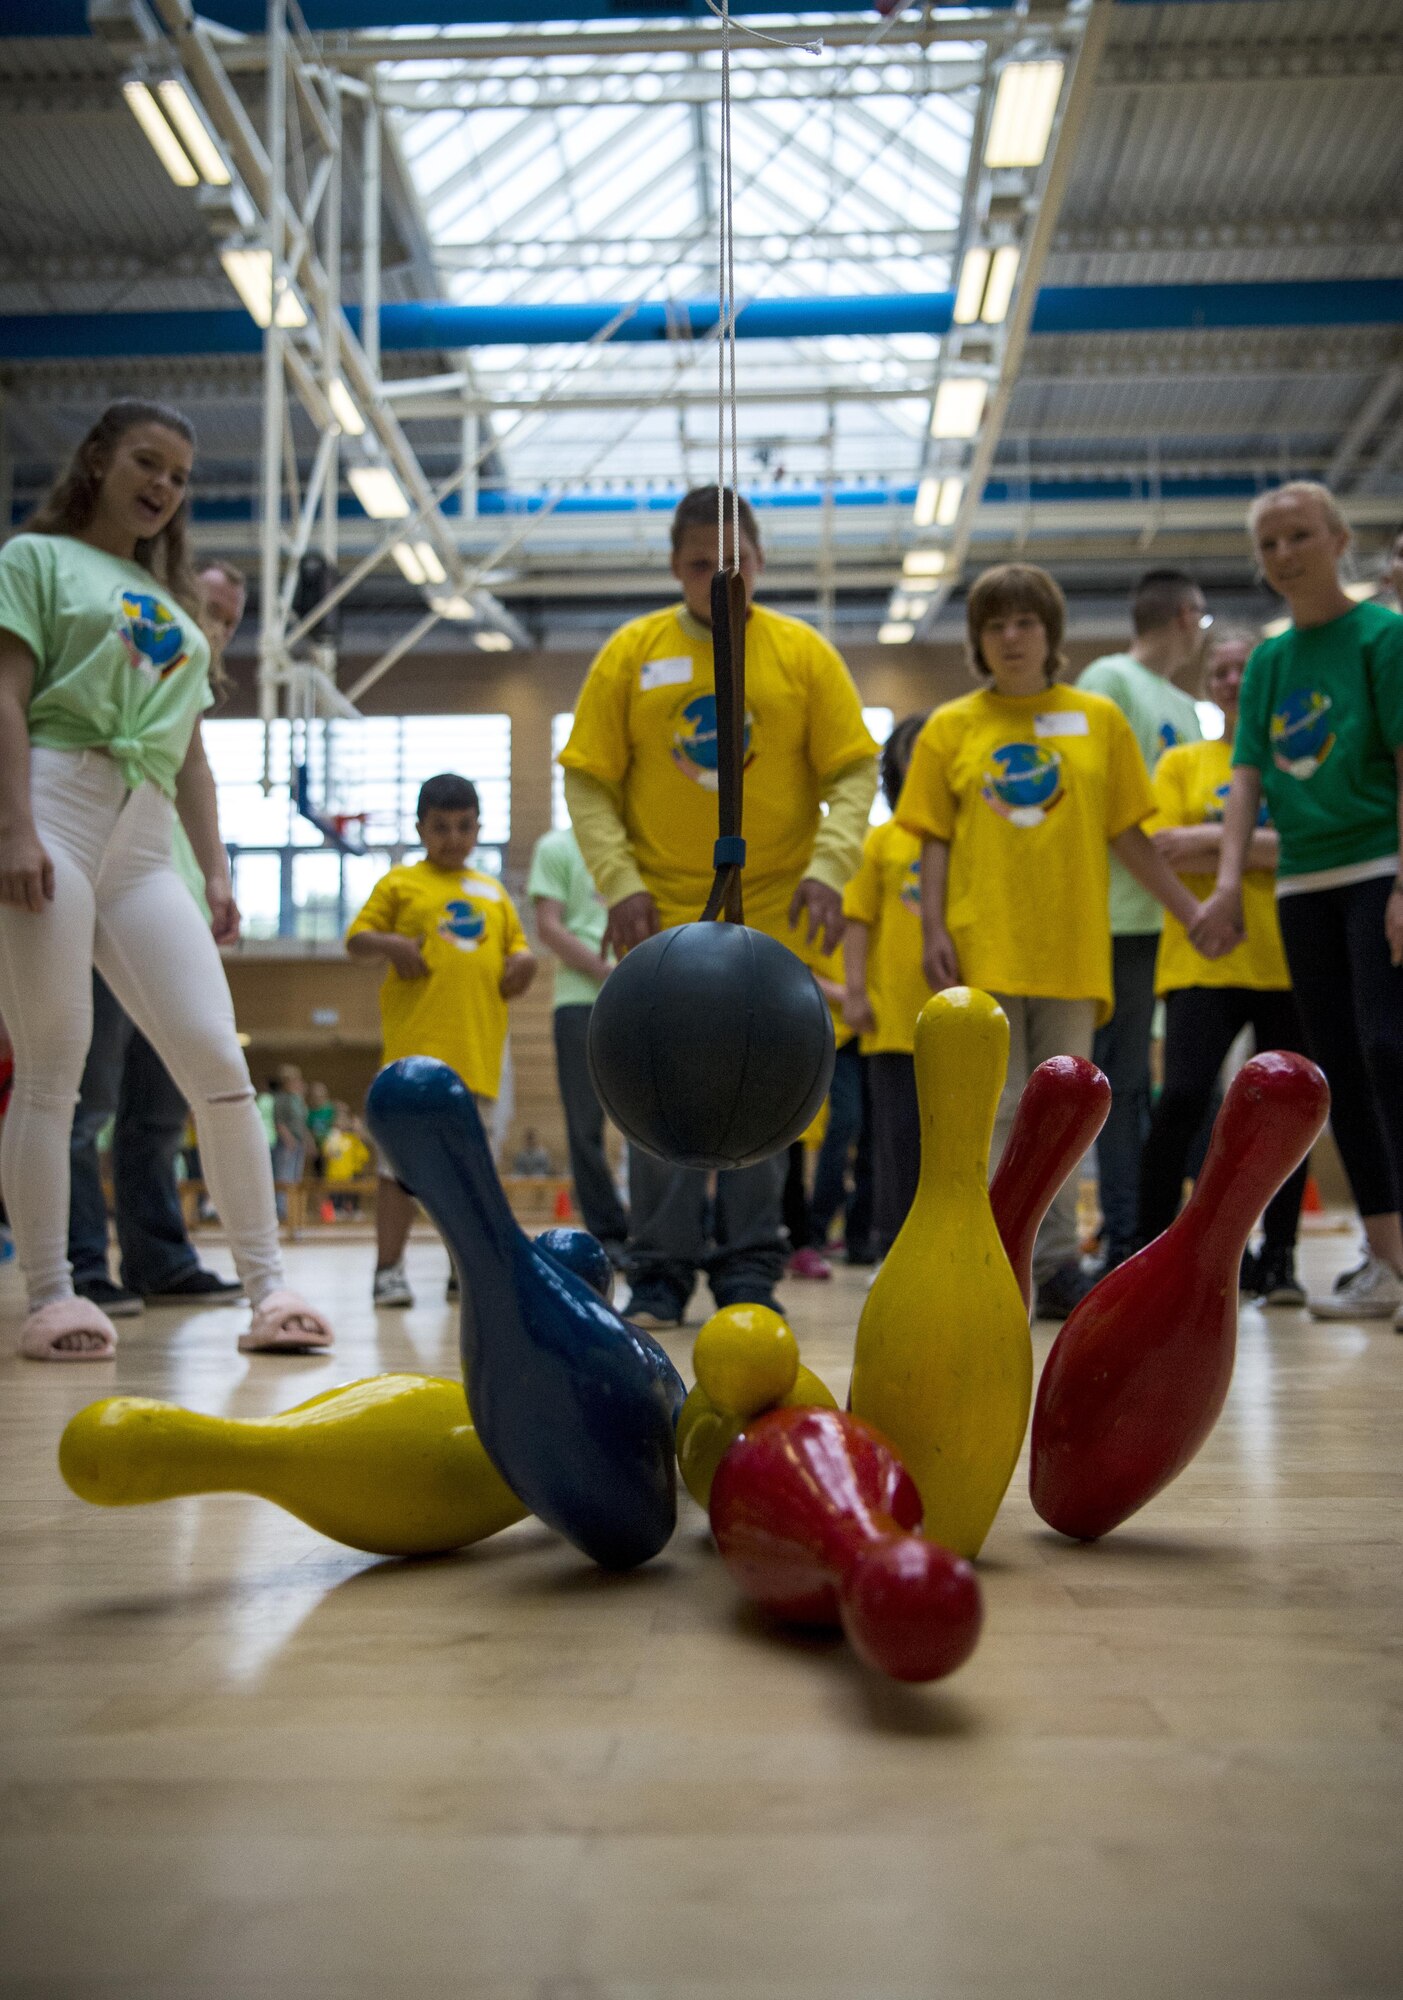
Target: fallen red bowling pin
{"x": 815, "y": 1518}
{"x": 1064, "y": 1105}
{"x": 1140, "y": 1371}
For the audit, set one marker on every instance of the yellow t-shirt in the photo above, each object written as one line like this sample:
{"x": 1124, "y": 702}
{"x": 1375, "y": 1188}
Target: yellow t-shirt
{"x": 1029, "y": 790}
{"x": 345, "y": 1157}
{"x": 1191, "y": 788}
{"x": 646, "y": 723}
{"x": 885, "y": 894}
{"x": 824, "y": 965}
{"x": 467, "y": 928}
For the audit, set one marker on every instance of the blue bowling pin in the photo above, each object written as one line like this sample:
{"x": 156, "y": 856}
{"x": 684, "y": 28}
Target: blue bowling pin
{"x": 574, "y": 1406}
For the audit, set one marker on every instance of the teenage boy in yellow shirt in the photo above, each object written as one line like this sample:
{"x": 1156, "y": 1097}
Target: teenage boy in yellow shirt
{"x": 455, "y": 955}
{"x": 1020, "y": 793}
{"x": 640, "y": 782}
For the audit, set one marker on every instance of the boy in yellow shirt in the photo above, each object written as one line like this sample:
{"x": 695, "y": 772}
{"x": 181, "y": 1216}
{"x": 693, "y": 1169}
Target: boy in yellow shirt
{"x": 1207, "y": 1002}
{"x": 640, "y": 782}
{"x": 886, "y": 990}
{"x": 455, "y": 955}
{"x": 1019, "y": 794}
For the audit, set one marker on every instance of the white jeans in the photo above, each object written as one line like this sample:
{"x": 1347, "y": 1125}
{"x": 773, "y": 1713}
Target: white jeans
{"x": 1039, "y": 1029}
{"x": 119, "y": 906}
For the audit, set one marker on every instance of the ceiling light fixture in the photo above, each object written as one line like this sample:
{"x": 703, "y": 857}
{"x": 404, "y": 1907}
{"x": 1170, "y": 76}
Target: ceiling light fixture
{"x": 895, "y": 633}
{"x": 959, "y": 404}
{"x": 974, "y": 275}
{"x": 434, "y": 571}
{"x": 410, "y": 565}
{"x": 250, "y": 272}
{"x": 194, "y": 133}
{"x": 379, "y": 492}
{"x": 924, "y": 562}
{"x": 927, "y": 500}
{"x": 345, "y": 410}
{"x": 1025, "y": 105}
{"x": 952, "y": 492}
{"x": 492, "y": 641}
{"x": 164, "y": 144}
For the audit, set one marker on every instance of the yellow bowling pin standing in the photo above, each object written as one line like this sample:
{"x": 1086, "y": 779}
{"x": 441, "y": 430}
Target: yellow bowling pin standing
{"x": 391, "y": 1465}
{"x": 944, "y": 1361}
{"x": 746, "y": 1360}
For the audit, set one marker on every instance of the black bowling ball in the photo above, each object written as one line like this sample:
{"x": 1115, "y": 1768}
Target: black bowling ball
{"x": 711, "y": 1046}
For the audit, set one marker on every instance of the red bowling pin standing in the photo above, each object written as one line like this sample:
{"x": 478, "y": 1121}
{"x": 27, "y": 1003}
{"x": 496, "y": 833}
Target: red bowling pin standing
{"x": 1140, "y": 1371}
{"x": 814, "y": 1515}
{"x": 1064, "y": 1105}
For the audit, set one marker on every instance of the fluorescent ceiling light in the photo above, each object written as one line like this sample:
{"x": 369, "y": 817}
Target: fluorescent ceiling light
{"x": 343, "y": 408}
{"x": 974, "y": 273}
{"x": 434, "y": 571}
{"x": 1025, "y": 105}
{"x": 409, "y": 562}
{"x": 924, "y": 562}
{"x": 1275, "y": 629}
{"x": 927, "y": 499}
{"x": 165, "y": 145}
{"x": 493, "y": 641}
{"x": 1362, "y": 591}
{"x": 959, "y": 404}
{"x": 907, "y": 608}
{"x": 1003, "y": 270}
{"x": 250, "y": 272}
{"x": 194, "y": 133}
{"x": 895, "y": 633}
{"x": 456, "y": 607}
{"x": 952, "y": 492}
{"x": 379, "y": 492}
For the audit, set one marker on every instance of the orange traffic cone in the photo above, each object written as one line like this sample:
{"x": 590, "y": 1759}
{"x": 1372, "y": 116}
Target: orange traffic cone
{"x": 1311, "y": 1204}
{"x": 563, "y": 1209}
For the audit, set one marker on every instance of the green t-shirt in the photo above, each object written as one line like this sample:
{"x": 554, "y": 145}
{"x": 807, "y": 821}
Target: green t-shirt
{"x": 558, "y": 870}
{"x": 1320, "y": 716}
{"x": 119, "y": 666}
{"x": 1161, "y": 715}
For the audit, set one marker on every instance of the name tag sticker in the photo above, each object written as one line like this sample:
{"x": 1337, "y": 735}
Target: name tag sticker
{"x": 1062, "y": 722}
{"x": 664, "y": 674}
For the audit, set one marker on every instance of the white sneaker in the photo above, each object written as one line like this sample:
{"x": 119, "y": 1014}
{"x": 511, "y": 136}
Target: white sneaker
{"x": 392, "y": 1287}
{"x": 1373, "y": 1291}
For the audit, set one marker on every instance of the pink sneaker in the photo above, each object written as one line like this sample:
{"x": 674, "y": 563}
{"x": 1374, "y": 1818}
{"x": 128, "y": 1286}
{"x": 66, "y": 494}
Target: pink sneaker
{"x": 808, "y": 1264}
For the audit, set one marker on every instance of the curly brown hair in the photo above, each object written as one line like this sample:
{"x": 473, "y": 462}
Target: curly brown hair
{"x": 71, "y": 501}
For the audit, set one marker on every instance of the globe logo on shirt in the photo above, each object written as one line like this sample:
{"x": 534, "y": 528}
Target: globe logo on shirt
{"x": 1168, "y": 737}
{"x": 696, "y": 747}
{"x": 1023, "y": 782}
{"x": 152, "y": 634}
{"x": 1301, "y": 736}
{"x": 910, "y": 891}
{"x": 1217, "y": 806}
{"x": 463, "y": 925}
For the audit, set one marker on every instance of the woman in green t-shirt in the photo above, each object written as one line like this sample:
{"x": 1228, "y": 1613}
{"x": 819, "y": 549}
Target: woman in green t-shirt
{"x": 104, "y": 673}
{"x": 1320, "y": 735}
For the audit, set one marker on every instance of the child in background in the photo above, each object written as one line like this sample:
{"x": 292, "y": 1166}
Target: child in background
{"x": 1020, "y": 793}
{"x": 321, "y": 1116}
{"x": 345, "y": 1157}
{"x": 1208, "y": 1001}
{"x": 886, "y": 989}
{"x": 455, "y": 955}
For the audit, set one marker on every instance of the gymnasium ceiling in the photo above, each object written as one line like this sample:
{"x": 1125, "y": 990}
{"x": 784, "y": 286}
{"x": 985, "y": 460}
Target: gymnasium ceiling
{"x": 1231, "y": 142}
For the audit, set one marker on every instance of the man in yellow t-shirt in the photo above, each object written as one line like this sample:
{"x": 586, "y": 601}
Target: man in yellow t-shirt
{"x": 640, "y": 782}
{"x": 1020, "y": 792}
{"x": 455, "y": 955}
{"x": 1207, "y": 1002}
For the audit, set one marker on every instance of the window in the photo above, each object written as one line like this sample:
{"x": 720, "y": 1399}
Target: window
{"x": 288, "y": 879}
{"x": 560, "y": 727}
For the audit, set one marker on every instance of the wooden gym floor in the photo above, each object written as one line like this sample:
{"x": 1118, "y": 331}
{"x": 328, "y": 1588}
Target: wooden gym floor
{"x": 242, "y": 1762}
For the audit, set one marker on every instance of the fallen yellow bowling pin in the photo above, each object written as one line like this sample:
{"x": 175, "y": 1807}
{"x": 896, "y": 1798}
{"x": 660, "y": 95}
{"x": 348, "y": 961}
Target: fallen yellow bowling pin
{"x": 943, "y": 1364}
{"x": 746, "y": 1360}
{"x": 391, "y": 1465}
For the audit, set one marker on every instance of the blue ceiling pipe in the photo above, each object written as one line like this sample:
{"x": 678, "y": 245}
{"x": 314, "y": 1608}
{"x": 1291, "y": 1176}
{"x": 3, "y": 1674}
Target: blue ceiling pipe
{"x": 250, "y": 17}
{"x": 1061, "y": 309}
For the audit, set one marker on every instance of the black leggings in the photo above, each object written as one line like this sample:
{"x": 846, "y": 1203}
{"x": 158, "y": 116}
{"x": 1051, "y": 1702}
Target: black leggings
{"x": 1201, "y": 1023}
{"x": 1351, "y": 1002}
{"x": 896, "y": 1142}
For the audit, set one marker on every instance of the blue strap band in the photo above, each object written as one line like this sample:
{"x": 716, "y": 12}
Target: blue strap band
{"x": 729, "y": 852}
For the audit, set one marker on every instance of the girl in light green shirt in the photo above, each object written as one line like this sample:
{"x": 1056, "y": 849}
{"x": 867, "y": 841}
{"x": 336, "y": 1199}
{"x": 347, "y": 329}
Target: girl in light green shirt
{"x": 104, "y": 674}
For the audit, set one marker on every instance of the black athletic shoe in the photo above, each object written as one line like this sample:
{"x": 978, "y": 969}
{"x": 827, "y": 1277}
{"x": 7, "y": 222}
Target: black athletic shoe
{"x": 653, "y": 1306}
{"x": 756, "y": 1296}
{"x": 1061, "y": 1291}
{"x": 1249, "y": 1274}
{"x": 198, "y": 1288}
{"x": 115, "y": 1300}
{"x": 1277, "y": 1283}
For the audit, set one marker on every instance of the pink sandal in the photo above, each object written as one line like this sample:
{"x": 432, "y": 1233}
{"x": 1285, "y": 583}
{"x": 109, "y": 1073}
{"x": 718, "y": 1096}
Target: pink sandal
{"x": 284, "y": 1323}
{"x": 59, "y": 1320}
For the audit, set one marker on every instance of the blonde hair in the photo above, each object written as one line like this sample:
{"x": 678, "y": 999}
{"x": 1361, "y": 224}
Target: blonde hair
{"x": 1299, "y": 489}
